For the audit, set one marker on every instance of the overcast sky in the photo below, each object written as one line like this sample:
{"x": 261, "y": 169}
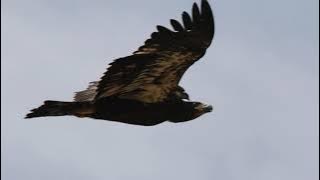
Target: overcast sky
{"x": 260, "y": 74}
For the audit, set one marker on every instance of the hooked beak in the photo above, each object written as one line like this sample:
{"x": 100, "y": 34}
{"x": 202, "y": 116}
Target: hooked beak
{"x": 207, "y": 108}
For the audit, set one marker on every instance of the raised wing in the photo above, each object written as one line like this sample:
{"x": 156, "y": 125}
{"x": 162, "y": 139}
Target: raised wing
{"x": 155, "y": 69}
{"x": 88, "y": 94}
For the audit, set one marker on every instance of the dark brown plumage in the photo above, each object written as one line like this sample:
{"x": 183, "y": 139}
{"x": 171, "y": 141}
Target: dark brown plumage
{"x": 143, "y": 88}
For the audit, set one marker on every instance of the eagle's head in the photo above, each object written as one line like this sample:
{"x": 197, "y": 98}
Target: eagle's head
{"x": 199, "y": 109}
{"x": 188, "y": 111}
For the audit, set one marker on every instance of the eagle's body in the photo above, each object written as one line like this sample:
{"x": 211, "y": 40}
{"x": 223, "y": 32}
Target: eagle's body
{"x": 143, "y": 88}
{"x": 145, "y": 114}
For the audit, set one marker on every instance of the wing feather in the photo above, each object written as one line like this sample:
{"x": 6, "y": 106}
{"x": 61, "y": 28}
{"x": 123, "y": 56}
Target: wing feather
{"x": 176, "y": 25}
{"x": 195, "y": 13}
{"x": 155, "y": 69}
{"x": 187, "y": 22}
{"x": 88, "y": 94}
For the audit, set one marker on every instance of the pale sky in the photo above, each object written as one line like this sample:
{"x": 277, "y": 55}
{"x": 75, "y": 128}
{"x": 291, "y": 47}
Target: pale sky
{"x": 260, "y": 74}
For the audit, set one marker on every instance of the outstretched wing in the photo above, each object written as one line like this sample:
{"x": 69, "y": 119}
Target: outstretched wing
{"x": 155, "y": 69}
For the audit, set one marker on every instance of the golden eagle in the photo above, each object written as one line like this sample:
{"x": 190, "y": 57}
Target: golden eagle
{"x": 142, "y": 88}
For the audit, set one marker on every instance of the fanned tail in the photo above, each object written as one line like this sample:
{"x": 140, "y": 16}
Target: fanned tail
{"x": 58, "y": 108}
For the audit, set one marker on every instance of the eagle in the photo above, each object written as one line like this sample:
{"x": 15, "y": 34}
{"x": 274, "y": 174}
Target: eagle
{"x": 143, "y": 88}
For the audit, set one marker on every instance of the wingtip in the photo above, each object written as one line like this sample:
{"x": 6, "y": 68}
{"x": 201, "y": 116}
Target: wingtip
{"x": 205, "y": 7}
{"x": 28, "y": 116}
{"x": 195, "y": 12}
{"x": 204, "y": 1}
{"x": 187, "y": 21}
{"x": 184, "y": 13}
{"x": 195, "y": 6}
{"x": 176, "y": 25}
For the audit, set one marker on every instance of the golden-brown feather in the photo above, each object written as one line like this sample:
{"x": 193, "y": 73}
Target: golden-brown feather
{"x": 155, "y": 69}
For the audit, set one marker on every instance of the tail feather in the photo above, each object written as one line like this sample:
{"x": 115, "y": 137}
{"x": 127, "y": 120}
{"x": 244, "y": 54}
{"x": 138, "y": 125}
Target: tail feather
{"x": 58, "y": 108}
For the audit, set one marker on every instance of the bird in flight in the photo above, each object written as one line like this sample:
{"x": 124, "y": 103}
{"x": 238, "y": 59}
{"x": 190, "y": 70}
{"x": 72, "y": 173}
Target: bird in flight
{"x": 143, "y": 88}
